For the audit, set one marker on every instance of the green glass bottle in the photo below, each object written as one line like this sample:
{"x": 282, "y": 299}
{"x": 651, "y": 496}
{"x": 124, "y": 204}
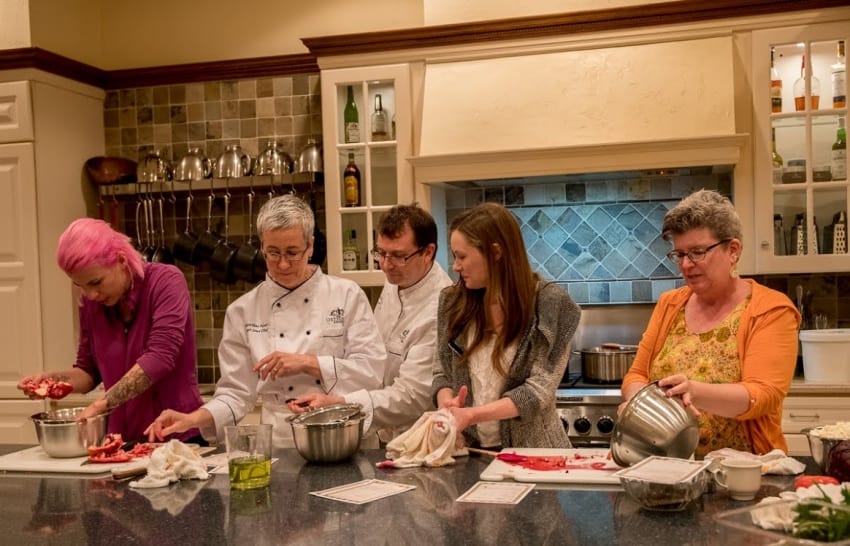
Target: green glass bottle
{"x": 351, "y": 119}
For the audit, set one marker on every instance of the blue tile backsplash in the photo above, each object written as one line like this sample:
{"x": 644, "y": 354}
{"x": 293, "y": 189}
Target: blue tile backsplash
{"x": 599, "y": 234}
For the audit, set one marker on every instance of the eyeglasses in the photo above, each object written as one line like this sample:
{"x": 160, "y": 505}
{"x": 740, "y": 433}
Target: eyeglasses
{"x": 290, "y": 256}
{"x": 399, "y": 261}
{"x": 695, "y": 254}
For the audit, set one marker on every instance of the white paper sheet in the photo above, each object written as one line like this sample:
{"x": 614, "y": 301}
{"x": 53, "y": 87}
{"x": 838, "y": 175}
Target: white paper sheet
{"x": 496, "y": 492}
{"x": 363, "y": 491}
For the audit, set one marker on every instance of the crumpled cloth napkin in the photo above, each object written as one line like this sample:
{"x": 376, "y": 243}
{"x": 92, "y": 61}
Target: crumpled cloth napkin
{"x": 431, "y": 441}
{"x": 774, "y": 515}
{"x": 773, "y": 462}
{"x": 172, "y": 462}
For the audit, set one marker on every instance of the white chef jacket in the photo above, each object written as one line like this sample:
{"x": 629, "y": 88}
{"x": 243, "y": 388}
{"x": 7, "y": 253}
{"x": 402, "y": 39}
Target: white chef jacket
{"x": 407, "y": 320}
{"x": 326, "y": 316}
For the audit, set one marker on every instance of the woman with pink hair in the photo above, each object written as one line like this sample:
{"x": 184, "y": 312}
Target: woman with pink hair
{"x": 137, "y": 332}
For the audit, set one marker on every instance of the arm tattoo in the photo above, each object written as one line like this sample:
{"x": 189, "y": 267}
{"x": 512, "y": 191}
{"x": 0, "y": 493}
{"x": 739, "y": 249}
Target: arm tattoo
{"x": 134, "y": 383}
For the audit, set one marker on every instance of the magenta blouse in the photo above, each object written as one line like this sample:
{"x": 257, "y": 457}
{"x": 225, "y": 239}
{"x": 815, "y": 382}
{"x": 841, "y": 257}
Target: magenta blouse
{"x": 160, "y": 338}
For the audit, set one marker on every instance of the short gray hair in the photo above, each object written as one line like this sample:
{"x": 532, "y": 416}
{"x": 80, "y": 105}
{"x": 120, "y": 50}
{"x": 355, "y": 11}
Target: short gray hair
{"x": 703, "y": 209}
{"x": 284, "y": 212}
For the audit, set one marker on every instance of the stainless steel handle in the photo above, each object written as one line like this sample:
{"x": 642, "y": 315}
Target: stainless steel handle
{"x": 804, "y": 417}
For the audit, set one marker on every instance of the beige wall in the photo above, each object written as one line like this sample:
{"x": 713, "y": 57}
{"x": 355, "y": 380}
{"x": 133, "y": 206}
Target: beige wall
{"x": 114, "y": 34}
{"x": 440, "y": 12}
{"x": 14, "y": 24}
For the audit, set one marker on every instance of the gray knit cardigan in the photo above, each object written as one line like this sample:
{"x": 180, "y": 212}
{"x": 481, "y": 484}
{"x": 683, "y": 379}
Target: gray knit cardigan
{"x": 542, "y": 356}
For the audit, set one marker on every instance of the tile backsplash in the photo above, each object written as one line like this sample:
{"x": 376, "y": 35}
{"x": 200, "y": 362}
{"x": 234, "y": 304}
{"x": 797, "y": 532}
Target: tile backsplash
{"x": 210, "y": 115}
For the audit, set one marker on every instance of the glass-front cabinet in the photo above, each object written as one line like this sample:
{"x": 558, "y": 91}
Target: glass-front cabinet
{"x": 801, "y": 183}
{"x": 366, "y": 122}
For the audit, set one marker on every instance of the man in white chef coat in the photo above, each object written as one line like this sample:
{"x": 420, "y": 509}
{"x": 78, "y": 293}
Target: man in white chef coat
{"x": 407, "y": 319}
{"x": 298, "y": 332}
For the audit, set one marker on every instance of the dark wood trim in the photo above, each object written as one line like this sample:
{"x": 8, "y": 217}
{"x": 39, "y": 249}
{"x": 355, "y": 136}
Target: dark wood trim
{"x": 258, "y": 67}
{"x": 33, "y": 57}
{"x": 687, "y": 11}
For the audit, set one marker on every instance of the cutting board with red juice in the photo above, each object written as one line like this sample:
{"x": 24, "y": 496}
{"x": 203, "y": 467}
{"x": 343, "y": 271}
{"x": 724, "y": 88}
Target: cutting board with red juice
{"x": 581, "y": 465}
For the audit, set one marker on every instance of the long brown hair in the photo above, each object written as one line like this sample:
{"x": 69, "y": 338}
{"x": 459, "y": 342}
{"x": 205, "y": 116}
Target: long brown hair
{"x": 511, "y": 283}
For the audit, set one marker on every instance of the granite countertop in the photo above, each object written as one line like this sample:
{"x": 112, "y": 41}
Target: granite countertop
{"x": 76, "y": 510}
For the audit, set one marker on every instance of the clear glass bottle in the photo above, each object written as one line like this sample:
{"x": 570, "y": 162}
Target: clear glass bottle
{"x": 800, "y": 89}
{"x": 839, "y": 152}
{"x": 351, "y": 182}
{"x": 775, "y": 158}
{"x": 775, "y": 87}
{"x": 379, "y": 121}
{"x": 839, "y": 79}
{"x": 351, "y": 119}
{"x": 350, "y": 254}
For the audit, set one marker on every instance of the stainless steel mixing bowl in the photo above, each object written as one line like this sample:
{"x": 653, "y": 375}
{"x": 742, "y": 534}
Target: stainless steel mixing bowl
{"x": 653, "y": 424}
{"x": 60, "y": 435}
{"x": 329, "y": 434}
{"x": 820, "y": 447}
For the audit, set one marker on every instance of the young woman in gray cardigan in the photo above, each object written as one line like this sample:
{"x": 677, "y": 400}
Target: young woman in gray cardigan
{"x": 503, "y": 337}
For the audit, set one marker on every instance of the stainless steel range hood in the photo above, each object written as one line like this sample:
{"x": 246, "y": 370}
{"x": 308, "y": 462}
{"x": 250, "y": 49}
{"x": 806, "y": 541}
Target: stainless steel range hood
{"x": 643, "y": 106}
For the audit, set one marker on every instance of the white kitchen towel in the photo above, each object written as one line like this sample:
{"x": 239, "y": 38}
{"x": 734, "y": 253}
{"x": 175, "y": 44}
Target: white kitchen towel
{"x": 771, "y": 513}
{"x": 773, "y": 462}
{"x": 429, "y": 442}
{"x": 172, "y": 462}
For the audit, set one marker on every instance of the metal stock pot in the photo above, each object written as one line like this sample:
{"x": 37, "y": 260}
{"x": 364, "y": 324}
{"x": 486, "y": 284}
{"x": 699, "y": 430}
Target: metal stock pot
{"x": 607, "y": 363}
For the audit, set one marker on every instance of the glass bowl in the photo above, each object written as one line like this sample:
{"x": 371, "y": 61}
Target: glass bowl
{"x": 665, "y": 483}
{"x": 738, "y": 527}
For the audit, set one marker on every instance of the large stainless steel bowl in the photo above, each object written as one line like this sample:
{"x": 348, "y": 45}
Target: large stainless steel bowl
{"x": 61, "y": 435}
{"x": 653, "y": 424}
{"x": 329, "y": 434}
{"x": 820, "y": 447}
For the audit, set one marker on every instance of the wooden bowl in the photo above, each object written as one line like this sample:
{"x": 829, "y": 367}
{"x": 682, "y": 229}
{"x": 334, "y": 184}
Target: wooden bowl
{"x": 111, "y": 170}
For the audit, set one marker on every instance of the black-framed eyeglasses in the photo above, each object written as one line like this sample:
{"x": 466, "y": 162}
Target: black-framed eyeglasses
{"x": 291, "y": 256}
{"x": 695, "y": 254}
{"x": 399, "y": 261}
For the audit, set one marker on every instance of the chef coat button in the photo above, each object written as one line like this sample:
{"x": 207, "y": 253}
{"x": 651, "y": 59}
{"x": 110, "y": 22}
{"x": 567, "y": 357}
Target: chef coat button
{"x": 281, "y": 335}
{"x": 277, "y": 304}
{"x": 308, "y": 332}
{"x": 306, "y": 300}
{"x": 318, "y": 382}
{"x": 291, "y": 388}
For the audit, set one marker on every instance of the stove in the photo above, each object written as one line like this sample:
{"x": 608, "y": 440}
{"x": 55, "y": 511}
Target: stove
{"x": 588, "y": 410}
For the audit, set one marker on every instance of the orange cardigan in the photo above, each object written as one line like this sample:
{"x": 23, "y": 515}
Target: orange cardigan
{"x": 767, "y": 348}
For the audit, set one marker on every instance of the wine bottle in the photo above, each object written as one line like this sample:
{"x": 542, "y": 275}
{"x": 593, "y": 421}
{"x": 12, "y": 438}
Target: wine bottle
{"x": 351, "y": 119}
{"x": 839, "y": 79}
{"x": 839, "y": 152}
{"x": 776, "y": 159}
{"x": 350, "y": 254}
{"x": 800, "y": 89}
{"x": 351, "y": 182}
{"x": 379, "y": 121}
{"x": 775, "y": 87}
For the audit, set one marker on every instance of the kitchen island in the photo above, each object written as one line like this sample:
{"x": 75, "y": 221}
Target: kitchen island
{"x": 54, "y": 509}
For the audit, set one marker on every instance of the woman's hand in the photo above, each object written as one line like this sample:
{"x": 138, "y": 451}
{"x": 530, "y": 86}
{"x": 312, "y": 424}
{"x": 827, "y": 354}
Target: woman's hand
{"x": 680, "y": 385}
{"x": 278, "y": 364}
{"x": 94, "y": 409}
{"x": 446, "y": 400}
{"x": 169, "y": 422}
{"x": 463, "y": 417}
{"x": 312, "y": 401}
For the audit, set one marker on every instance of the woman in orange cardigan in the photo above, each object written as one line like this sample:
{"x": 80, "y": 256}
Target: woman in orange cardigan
{"x": 726, "y": 345}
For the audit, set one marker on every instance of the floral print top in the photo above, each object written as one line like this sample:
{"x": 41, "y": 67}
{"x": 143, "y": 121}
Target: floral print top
{"x": 710, "y": 357}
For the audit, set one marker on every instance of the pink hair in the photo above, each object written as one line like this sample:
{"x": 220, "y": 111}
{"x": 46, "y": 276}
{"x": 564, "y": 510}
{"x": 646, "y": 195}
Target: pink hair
{"x": 93, "y": 243}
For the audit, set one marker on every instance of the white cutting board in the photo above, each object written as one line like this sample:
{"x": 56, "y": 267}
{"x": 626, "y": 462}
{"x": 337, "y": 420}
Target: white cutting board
{"x": 34, "y": 459}
{"x": 578, "y": 470}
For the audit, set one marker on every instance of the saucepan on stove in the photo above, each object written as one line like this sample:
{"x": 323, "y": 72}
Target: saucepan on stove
{"x": 606, "y": 363}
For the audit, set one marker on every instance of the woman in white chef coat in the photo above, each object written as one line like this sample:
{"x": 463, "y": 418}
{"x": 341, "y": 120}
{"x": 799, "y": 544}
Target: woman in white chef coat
{"x": 298, "y": 332}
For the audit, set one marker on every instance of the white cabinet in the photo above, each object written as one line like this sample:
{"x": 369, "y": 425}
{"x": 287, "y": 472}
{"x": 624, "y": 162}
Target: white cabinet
{"x": 386, "y": 177}
{"x": 805, "y": 195}
{"x": 49, "y": 126}
{"x": 801, "y": 412}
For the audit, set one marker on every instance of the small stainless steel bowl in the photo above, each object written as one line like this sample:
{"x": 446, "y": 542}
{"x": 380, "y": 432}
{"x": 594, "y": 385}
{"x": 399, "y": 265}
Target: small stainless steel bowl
{"x": 329, "y": 434}
{"x": 61, "y": 435}
{"x": 820, "y": 447}
{"x": 653, "y": 424}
